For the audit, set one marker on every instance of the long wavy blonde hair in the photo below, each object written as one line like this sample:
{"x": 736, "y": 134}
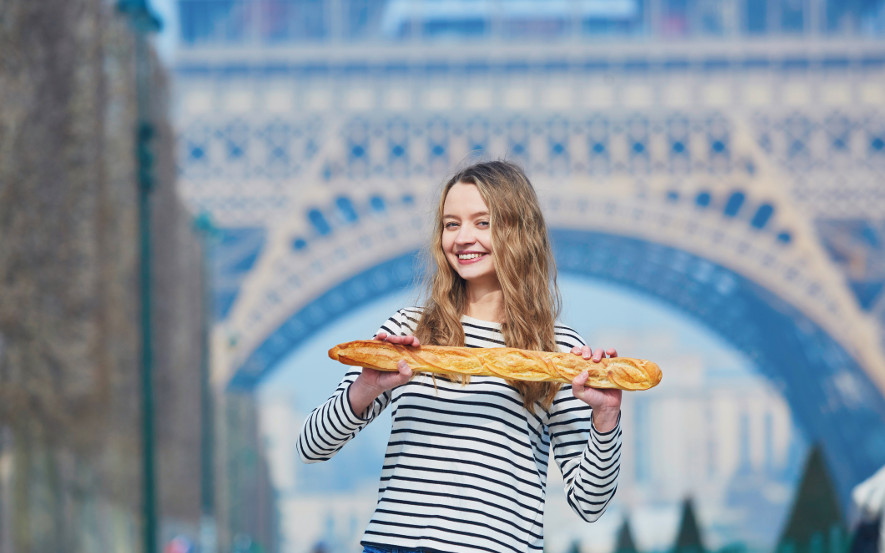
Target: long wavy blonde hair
{"x": 523, "y": 263}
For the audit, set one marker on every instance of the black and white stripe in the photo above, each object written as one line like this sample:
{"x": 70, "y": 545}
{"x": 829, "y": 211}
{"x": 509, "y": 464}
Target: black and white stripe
{"x": 466, "y": 465}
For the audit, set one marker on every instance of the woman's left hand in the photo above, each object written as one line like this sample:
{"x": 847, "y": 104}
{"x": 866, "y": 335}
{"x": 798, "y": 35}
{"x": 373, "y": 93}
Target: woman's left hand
{"x": 606, "y": 403}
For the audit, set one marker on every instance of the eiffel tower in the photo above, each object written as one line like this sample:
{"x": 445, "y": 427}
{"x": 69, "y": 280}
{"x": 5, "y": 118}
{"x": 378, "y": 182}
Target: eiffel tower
{"x": 728, "y": 161}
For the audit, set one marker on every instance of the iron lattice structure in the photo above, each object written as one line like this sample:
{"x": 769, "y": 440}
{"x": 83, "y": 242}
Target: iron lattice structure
{"x": 739, "y": 181}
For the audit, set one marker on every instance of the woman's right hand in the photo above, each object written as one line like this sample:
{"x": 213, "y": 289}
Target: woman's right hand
{"x": 371, "y": 383}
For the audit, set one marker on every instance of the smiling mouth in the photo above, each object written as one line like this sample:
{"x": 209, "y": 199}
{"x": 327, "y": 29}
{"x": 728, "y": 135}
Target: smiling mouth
{"x": 470, "y": 256}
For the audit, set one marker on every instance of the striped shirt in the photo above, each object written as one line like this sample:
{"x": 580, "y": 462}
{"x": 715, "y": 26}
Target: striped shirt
{"x": 466, "y": 466}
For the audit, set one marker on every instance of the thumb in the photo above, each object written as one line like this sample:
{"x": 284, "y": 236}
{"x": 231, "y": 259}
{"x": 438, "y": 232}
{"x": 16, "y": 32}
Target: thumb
{"x": 579, "y": 381}
{"x": 404, "y": 370}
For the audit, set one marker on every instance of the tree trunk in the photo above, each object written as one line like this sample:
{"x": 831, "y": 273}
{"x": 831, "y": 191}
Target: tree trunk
{"x": 21, "y": 496}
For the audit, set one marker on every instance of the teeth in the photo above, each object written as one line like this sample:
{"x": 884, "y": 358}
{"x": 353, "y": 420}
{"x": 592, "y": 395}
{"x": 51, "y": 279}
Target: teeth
{"x": 469, "y": 255}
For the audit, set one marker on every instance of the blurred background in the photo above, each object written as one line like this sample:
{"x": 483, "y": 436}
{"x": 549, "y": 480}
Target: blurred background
{"x": 198, "y": 198}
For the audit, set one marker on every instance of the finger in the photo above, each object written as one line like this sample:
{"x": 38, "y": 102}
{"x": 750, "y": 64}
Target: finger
{"x": 612, "y": 352}
{"x": 586, "y": 352}
{"x": 404, "y": 369}
{"x": 576, "y": 350}
{"x": 381, "y": 336}
{"x": 579, "y": 381}
{"x": 598, "y": 354}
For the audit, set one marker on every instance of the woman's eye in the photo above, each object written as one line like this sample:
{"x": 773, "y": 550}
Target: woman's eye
{"x": 450, "y": 225}
{"x": 483, "y": 224}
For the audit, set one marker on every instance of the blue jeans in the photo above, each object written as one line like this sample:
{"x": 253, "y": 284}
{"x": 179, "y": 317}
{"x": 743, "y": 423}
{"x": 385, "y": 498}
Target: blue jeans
{"x": 370, "y": 549}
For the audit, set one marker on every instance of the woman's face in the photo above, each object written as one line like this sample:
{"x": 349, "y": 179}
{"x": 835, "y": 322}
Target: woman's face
{"x": 466, "y": 235}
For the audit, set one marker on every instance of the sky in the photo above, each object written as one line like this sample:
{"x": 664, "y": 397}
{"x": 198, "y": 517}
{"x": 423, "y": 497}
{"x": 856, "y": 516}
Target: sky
{"x": 165, "y": 41}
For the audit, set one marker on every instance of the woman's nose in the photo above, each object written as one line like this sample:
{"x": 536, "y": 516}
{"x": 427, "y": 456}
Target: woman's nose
{"x": 465, "y": 236}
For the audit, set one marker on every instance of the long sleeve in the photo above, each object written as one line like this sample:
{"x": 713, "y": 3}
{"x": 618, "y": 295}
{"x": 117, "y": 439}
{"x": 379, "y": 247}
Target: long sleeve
{"x": 589, "y": 460}
{"x": 334, "y": 423}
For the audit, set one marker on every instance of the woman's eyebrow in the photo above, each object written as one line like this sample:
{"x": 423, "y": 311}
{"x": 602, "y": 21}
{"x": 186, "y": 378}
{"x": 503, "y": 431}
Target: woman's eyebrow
{"x": 472, "y": 215}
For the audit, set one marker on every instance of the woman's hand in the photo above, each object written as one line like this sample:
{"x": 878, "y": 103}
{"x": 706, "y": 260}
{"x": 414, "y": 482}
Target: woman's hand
{"x": 371, "y": 383}
{"x": 402, "y": 340}
{"x": 606, "y": 403}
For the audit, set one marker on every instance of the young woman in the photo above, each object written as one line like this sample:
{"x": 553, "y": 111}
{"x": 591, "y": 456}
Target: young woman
{"x": 466, "y": 462}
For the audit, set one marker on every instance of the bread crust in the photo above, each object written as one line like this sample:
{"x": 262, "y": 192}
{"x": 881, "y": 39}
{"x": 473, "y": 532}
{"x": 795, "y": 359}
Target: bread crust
{"x": 623, "y": 373}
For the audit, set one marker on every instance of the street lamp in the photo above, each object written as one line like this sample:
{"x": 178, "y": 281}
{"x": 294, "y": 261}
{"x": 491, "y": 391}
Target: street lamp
{"x": 207, "y": 231}
{"x": 143, "y": 22}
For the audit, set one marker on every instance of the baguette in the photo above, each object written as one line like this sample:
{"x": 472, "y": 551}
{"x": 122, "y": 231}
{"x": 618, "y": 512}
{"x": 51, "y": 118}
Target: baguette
{"x": 622, "y": 373}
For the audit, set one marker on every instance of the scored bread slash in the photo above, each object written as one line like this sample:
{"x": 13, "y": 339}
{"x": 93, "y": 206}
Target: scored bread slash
{"x": 623, "y": 373}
